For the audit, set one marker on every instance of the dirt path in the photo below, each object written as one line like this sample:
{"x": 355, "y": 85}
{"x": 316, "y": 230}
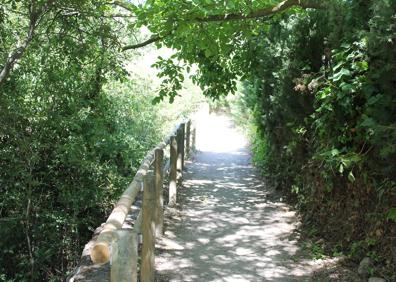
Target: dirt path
{"x": 230, "y": 227}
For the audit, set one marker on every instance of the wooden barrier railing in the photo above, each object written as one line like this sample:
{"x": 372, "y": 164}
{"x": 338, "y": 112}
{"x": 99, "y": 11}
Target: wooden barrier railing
{"x": 120, "y": 246}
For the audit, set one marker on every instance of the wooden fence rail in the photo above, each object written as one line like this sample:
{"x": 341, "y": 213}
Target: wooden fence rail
{"x": 120, "y": 246}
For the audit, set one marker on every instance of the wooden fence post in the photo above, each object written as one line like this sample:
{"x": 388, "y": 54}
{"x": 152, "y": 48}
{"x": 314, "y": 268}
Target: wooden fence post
{"x": 124, "y": 257}
{"x": 182, "y": 142}
{"x": 180, "y": 150}
{"x": 188, "y": 137}
{"x": 173, "y": 171}
{"x": 159, "y": 183}
{"x": 194, "y": 137}
{"x": 147, "y": 273}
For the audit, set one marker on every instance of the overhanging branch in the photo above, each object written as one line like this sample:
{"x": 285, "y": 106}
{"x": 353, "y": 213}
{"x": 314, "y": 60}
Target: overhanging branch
{"x": 266, "y": 12}
{"x": 305, "y": 4}
{"x": 142, "y": 44}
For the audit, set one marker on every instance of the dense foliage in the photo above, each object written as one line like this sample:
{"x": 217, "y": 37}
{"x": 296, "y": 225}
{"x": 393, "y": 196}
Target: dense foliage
{"x": 318, "y": 82}
{"x": 74, "y": 128}
{"x": 324, "y": 109}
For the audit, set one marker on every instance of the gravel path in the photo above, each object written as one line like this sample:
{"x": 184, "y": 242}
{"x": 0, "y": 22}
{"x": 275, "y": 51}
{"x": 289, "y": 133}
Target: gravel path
{"x": 229, "y": 226}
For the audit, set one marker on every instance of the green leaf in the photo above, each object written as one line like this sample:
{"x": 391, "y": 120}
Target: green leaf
{"x": 156, "y": 100}
{"x": 341, "y": 168}
{"x": 392, "y": 214}
{"x": 351, "y": 177}
{"x": 347, "y": 87}
{"x": 208, "y": 53}
{"x": 362, "y": 66}
{"x": 343, "y": 72}
{"x": 335, "y": 152}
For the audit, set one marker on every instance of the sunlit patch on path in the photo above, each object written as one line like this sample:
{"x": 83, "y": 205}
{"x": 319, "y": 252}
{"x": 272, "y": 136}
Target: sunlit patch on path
{"x": 230, "y": 226}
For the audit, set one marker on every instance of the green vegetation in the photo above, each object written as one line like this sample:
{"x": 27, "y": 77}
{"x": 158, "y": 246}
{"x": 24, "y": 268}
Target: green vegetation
{"x": 317, "y": 88}
{"x": 74, "y": 128}
{"x": 325, "y": 132}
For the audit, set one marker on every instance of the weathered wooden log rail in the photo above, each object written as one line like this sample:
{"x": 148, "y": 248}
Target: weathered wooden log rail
{"x": 120, "y": 246}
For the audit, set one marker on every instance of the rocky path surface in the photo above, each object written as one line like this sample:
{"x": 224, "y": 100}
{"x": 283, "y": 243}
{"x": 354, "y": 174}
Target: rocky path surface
{"x": 229, "y": 225}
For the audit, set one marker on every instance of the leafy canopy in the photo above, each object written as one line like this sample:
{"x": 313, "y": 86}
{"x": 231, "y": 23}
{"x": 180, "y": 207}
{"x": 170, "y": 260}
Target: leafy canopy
{"x": 216, "y": 36}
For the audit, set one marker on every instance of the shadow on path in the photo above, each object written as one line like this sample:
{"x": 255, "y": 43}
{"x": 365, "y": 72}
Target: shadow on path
{"x": 230, "y": 226}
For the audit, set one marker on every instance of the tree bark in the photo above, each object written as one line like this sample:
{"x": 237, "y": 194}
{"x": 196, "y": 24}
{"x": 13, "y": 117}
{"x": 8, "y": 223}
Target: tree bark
{"x": 18, "y": 52}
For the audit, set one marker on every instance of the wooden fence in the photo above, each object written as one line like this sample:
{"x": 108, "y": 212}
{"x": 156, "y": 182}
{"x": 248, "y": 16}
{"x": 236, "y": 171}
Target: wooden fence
{"x": 120, "y": 246}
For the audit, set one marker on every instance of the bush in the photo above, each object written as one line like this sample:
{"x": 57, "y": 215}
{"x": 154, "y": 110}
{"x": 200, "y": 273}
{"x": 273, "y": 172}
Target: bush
{"x": 323, "y": 106}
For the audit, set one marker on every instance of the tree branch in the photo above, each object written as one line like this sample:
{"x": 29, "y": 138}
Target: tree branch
{"x": 305, "y": 4}
{"x": 153, "y": 39}
{"x": 119, "y": 16}
{"x": 18, "y": 52}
